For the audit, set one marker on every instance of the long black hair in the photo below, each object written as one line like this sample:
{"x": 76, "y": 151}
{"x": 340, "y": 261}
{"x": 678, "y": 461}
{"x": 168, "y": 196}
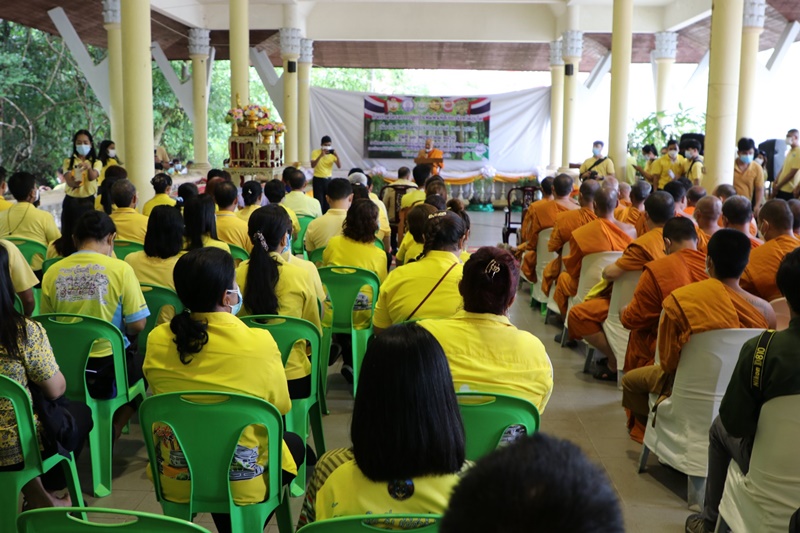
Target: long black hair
{"x": 164, "y": 237}
{"x": 13, "y": 332}
{"x": 72, "y": 211}
{"x": 91, "y": 156}
{"x": 201, "y": 278}
{"x": 112, "y": 175}
{"x": 442, "y": 231}
{"x": 405, "y": 378}
{"x": 267, "y": 227}
{"x": 199, "y": 220}
{"x": 103, "y": 152}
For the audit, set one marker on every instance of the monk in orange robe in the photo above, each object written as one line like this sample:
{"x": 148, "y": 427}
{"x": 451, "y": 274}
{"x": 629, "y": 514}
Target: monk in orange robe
{"x": 633, "y": 214}
{"x": 606, "y": 234}
{"x": 693, "y": 195}
{"x": 716, "y": 303}
{"x": 776, "y": 223}
{"x": 625, "y": 195}
{"x": 737, "y": 212}
{"x": 544, "y": 216}
{"x": 725, "y": 191}
{"x": 707, "y": 214}
{"x": 527, "y": 219}
{"x": 586, "y": 318}
{"x": 565, "y": 224}
{"x": 429, "y": 152}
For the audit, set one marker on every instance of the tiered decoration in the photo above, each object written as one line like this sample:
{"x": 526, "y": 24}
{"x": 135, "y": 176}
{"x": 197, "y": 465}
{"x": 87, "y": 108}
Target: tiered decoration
{"x": 255, "y": 141}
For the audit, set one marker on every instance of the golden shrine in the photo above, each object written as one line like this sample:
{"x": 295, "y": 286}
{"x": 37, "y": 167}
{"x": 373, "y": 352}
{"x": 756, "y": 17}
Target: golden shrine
{"x": 255, "y": 146}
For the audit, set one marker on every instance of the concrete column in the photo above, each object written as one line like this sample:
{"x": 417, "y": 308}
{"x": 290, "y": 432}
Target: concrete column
{"x": 723, "y": 91}
{"x": 137, "y": 77}
{"x": 556, "y": 103}
{"x": 621, "y": 49}
{"x": 572, "y": 50}
{"x": 199, "y": 47}
{"x": 290, "y": 52}
{"x": 753, "y": 23}
{"x": 240, "y": 51}
{"x": 111, "y": 18}
{"x": 304, "y": 101}
{"x": 664, "y": 55}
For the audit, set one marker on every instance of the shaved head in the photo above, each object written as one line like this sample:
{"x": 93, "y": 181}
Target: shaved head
{"x": 640, "y": 191}
{"x": 659, "y": 207}
{"x": 679, "y": 229}
{"x": 724, "y": 191}
{"x": 737, "y": 210}
{"x": 694, "y": 194}
{"x": 624, "y": 190}
{"x": 708, "y": 208}
{"x": 562, "y": 185}
{"x": 677, "y": 191}
{"x": 605, "y": 201}
{"x": 778, "y": 214}
{"x": 794, "y": 205}
{"x": 610, "y": 182}
{"x": 547, "y": 186}
{"x": 588, "y": 191}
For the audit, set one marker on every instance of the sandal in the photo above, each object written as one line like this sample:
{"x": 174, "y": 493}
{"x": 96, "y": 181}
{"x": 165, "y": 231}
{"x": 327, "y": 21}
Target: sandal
{"x": 603, "y": 373}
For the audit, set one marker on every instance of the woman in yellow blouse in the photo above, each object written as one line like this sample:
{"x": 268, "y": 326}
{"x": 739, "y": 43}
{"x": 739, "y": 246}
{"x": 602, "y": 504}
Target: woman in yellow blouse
{"x": 485, "y": 350}
{"x": 209, "y": 348}
{"x": 26, "y": 357}
{"x": 201, "y": 224}
{"x": 113, "y": 174}
{"x": 81, "y": 170}
{"x": 409, "y": 465}
{"x": 457, "y": 206}
{"x": 413, "y": 242}
{"x": 252, "y": 193}
{"x": 162, "y": 186}
{"x": 107, "y": 154}
{"x": 271, "y": 286}
{"x": 163, "y": 246}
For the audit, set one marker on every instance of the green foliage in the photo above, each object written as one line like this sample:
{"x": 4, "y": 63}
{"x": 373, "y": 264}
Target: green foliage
{"x": 658, "y": 128}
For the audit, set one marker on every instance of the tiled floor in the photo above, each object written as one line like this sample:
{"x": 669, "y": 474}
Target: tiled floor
{"x": 581, "y": 409}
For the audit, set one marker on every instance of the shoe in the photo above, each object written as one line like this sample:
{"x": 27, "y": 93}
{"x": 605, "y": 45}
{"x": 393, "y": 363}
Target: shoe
{"x": 696, "y": 524}
{"x": 347, "y": 373}
{"x": 569, "y": 344}
{"x": 336, "y": 351}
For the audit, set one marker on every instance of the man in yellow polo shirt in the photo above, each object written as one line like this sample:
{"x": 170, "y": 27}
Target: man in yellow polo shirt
{"x": 597, "y": 166}
{"x": 666, "y": 168}
{"x": 131, "y": 225}
{"x": 4, "y": 204}
{"x": 421, "y": 173}
{"x": 230, "y": 228}
{"x": 693, "y": 161}
{"x": 748, "y": 175}
{"x": 322, "y": 161}
{"x": 788, "y": 180}
{"x": 24, "y": 219}
{"x": 297, "y": 200}
{"x": 275, "y": 191}
{"x": 320, "y": 230}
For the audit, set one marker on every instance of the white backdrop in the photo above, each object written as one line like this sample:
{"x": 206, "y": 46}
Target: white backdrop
{"x": 519, "y": 135}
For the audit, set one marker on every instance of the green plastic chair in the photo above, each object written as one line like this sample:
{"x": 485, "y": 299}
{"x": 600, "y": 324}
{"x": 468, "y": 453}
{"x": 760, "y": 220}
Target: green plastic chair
{"x": 59, "y": 520}
{"x": 207, "y": 426}
{"x": 486, "y": 416}
{"x": 239, "y": 254}
{"x": 72, "y": 337}
{"x": 156, "y": 298}
{"x": 343, "y": 283}
{"x": 287, "y": 331}
{"x": 373, "y": 522}
{"x": 18, "y": 307}
{"x": 379, "y": 244}
{"x": 29, "y": 248}
{"x": 50, "y": 262}
{"x": 35, "y": 465}
{"x": 316, "y": 256}
{"x": 297, "y": 244}
{"x": 123, "y": 248}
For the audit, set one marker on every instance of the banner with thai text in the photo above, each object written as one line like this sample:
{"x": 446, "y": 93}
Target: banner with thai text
{"x": 396, "y": 127}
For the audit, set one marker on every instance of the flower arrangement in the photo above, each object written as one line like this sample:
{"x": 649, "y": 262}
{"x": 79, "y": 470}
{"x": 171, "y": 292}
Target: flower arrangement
{"x": 265, "y": 127}
{"x": 279, "y": 127}
{"x": 256, "y": 113}
{"x": 234, "y": 115}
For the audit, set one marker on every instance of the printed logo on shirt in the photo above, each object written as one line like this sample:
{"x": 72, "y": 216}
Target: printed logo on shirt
{"x": 82, "y": 283}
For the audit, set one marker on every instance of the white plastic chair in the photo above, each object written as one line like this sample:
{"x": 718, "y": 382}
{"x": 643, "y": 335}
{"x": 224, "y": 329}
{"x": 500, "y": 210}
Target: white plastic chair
{"x": 765, "y": 499}
{"x": 680, "y": 435}
{"x": 591, "y": 274}
{"x": 543, "y": 258}
{"x": 781, "y": 308}
{"x": 616, "y": 334}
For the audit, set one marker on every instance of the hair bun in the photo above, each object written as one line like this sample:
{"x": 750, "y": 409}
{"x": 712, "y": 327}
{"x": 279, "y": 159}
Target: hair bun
{"x": 455, "y": 205}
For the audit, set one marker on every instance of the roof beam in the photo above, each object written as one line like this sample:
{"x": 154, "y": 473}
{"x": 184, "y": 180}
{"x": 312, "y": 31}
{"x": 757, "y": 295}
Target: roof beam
{"x": 599, "y": 71}
{"x": 786, "y": 40}
{"x": 269, "y": 77}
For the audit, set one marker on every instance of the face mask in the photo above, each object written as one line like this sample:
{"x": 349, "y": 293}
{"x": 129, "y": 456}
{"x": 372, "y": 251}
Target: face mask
{"x": 760, "y": 161}
{"x": 672, "y": 154}
{"x": 112, "y": 153}
{"x": 83, "y": 149}
{"x": 236, "y": 307}
{"x": 746, "y": 159}
{"x": 178, "y": 167}
{"x": 288, "y": 247}
{"x": 688, "y": 155}
{"x": 789, "y": 140}
{"x": 597, "y": 152}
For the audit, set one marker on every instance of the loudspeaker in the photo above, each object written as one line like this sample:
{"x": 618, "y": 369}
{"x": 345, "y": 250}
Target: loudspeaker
{"x": 699, "y": 137}
{"x": 776, "y": 153}
{"x": 291, "y": 66}
{"x": 569, "y": 69}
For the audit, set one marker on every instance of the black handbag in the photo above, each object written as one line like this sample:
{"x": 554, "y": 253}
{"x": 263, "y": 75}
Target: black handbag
{"x": 57, "y": 422}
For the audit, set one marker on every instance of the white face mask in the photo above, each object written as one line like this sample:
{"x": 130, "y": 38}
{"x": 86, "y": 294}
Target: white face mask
{"x": 672, "y": 154}
{"x": 112, "y": 153}
{"x": 83, "y": 149}
{"x": 789, "y": 140}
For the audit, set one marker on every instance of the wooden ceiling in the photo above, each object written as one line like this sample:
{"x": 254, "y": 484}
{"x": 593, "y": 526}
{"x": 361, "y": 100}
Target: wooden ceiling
{"x": 693, "y": 41}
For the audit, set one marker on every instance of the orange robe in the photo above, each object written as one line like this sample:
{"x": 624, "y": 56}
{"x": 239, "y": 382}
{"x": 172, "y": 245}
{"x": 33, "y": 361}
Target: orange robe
{"x": 759, "y": 276}
{"x": 755, "y": 242}
{"x": 587, "y": 317}
{"x": 631, "y": 215}
{"x": 544, "y": 216}
{"x": 702, "y": 239}
{"x": 689, "y": 210}
{"x": 658, "y": 280}
{"x": 597, "y": 236}
{"x": 433, "y": 154}
{"x": 565, "y": 224}
{"x": 624, "y": 202}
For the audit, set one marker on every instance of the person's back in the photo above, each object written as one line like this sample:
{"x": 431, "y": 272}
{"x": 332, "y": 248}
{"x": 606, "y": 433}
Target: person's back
{"x": 230, "y": 228}
{"x": 162, "y": 186}
{"x": 320, "y": 230}
{"x": 201, "y": 224}
{"x": 131, "y": 225}
{"x": 298, "y": 201}
{"x": 163, "y": 246}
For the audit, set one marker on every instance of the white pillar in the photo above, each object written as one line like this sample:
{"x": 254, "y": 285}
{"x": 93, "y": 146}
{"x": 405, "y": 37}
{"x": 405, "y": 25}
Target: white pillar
{"x": 111, "y": 18}
{"x": 199, "y": 47}
{"x": 304, "y": 101}
{"x": 240, "y": 51}
{"x": 290, "y": 52}
{"x": 572, "y": 50}
{"x": 754, "y": 14}
{"x": 621, "y": 49}
{"x": 556, "y": 103}
{"x": 665, "y": 52}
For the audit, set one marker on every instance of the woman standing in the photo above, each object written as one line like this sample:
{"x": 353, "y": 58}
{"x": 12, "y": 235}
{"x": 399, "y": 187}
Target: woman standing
{"x": 81, "y": 170}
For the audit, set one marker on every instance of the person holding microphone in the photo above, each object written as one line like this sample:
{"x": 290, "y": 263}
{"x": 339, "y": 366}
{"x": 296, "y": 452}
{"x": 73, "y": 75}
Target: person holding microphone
{"x": 322, "y": 161}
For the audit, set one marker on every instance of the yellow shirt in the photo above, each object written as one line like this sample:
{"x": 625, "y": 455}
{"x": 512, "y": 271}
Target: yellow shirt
{"x": 153, "y": 270}
{"x": 313, "y": 273}
{"x": 405, "y": 288}
{"x": 4, "y": 204}
{"x": 93, "y": 284}
{"x": 390, "y": 196}
{"x": 411, "y": 198}
{"x": 748, "y": 181}
{"x": 324, "y": 168}
{"x": 693, "y": 171}
{"x": 246, "y": 212}
{"x": 606, "y": 168}
{"x": 100, "y": 179}
{"x": 22, "y": 276}
{"x": 233, "y": 230}
{"x": 383, "y": 218}
{"x": 236, "y": 359}
{"x": 214, "y": 243}
{"x": 321, "y": 229}
{"x": 339, "y": 488}
{"x": 297, "y": 298}
{"x": 630, "y": 172}
{"x": 26, "y": 221}
{"x": 87, "y": 187}
{"x": 302, "y": 204}
{"x": 792, "y": 162}
{"x": 663, "y": 165}
{"x": 488, "y": 353}
{"x": 131, "y": 225}
{"x": 155, "y": 201}
{"x": 295, "y": 222}
{"x": 409, "y": 249}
